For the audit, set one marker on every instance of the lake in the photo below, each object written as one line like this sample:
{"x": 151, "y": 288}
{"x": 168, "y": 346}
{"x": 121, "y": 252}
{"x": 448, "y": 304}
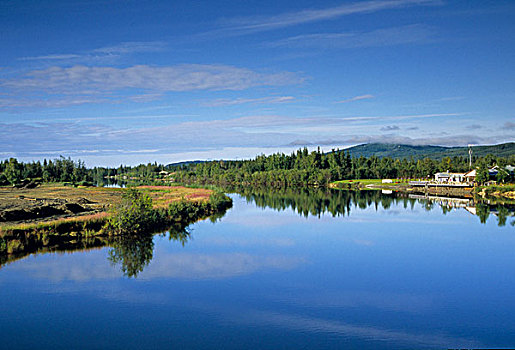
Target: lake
{"x": 281, "y": 270}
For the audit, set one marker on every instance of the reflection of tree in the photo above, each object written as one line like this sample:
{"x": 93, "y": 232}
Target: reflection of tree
{"x": 483, "y": 211}
{"x": 502, "y": 213}
{"x": 317, "y": 201}
{"x": 15, "y": 248}
{"x": 178, "y": 233}
{"x": 133, "y": 253}
{"x": 446, "y": 209}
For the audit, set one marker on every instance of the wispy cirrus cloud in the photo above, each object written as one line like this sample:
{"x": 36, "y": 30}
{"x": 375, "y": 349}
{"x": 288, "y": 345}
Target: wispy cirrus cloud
{"x": 131, "y": 47}
{"x": 247, "y": 25}
{"x": 453, "y": 140}
{"x": 357, "y": 98}
{"x": 56, "y": 57}
{"x": 215, "y": 139}
{"x": 65, "y": 86}
{"x": 240, "y": 101}
{"x": 381, "y": 37}
{"x": 113, "y": 51}
{"x": 10, "y": 103}
{"x": 184, "y": 77}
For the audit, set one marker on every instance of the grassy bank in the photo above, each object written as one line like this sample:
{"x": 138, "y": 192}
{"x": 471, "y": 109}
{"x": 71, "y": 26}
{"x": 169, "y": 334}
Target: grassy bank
{"x": 163, "y": 206}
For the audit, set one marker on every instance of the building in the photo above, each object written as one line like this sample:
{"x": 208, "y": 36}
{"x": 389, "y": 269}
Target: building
{"x": 449, "y": 177}
{"x": 470, "y": 176}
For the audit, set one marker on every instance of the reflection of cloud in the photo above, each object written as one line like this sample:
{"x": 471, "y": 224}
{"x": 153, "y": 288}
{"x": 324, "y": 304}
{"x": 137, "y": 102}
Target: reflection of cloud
{"x": 398, "y": 302}
{"x": 80, "y": 266}
{"x": 213, "y": 266}
{"x": 254, "y": 221}
{"x": 250, "y": 241}
{"x": 83, "y": 267}
{"x": 368, "y": 333}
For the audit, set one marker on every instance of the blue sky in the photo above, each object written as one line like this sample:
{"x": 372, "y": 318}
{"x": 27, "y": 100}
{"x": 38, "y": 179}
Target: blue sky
{"x": 132, "y": 82}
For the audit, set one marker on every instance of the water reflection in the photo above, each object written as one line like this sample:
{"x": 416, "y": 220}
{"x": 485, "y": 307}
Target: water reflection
{"x": 318, "y": 201}
{"x": 21, "y": 247}
{"x": 133, "y": 254}
{"x": 396, "y": 278}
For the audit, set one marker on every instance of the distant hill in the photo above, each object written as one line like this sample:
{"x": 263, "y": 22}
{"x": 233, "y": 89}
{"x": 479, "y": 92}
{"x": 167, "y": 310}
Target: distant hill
{"x": 434, "y": 152}
{"x": 186, "y": 163}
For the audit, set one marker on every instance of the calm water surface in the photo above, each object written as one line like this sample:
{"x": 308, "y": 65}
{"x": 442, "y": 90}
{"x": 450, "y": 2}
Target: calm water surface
{"x": 379, "y": 274}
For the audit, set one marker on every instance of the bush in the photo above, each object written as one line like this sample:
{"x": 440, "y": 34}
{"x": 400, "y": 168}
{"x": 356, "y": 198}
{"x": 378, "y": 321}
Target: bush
{"x": 3, "y": 246}
{"x": 134, "y": 214}
{"x": 219, "y": 201}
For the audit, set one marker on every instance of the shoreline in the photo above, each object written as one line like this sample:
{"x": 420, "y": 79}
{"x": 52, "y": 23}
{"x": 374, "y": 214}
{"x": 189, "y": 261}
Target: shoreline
{"x": 189, "y": 205}
{"x": 503, "y": 192}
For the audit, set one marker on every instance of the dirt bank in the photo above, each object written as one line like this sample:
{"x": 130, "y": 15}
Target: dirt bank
{"x": 24, "y": 205}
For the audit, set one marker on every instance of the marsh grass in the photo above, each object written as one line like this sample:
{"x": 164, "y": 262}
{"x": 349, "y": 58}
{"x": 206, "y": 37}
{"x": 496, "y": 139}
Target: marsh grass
{"x": 70, "y": 225}
{"x": 141, "y": 212}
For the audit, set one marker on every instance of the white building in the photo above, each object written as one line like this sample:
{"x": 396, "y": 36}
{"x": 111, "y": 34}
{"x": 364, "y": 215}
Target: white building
{"x": 449, "y": 177}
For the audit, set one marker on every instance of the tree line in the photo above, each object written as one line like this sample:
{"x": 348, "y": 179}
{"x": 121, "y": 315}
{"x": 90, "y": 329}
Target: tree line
{"x": 316, "y": 168}
{"x": 67, "y": 170}
{"x": 300, "y": 168}
{"x": 58, "y": 170}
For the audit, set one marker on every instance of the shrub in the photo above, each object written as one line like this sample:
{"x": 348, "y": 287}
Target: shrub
{"x": 219, "y": 201}
{"x": 3, "y": 245}
{"x": 134, "y": 214}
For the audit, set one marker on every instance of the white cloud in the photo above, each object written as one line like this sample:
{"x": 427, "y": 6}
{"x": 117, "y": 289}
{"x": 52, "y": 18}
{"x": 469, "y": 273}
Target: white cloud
{"x": 132, "y": 47}
{"x": 114, "y": 51}
{"x": 240, "y": 101}
{"x": 454, "y": 140}
{"x": 186, "y": 77}
{"x": 57, "y": 57}
{"x": 382, "y": 37}
{"x": 243, "y": 137}
{"x": 357, "y": 98}
{"x": 246, "y": 25}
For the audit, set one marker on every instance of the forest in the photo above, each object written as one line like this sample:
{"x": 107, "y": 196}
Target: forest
{"x": 300, "y": 168}
{"x": 303, "y": 168}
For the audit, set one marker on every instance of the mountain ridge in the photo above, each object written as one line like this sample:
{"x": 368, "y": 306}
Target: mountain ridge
{"x": 435, "y": 152}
